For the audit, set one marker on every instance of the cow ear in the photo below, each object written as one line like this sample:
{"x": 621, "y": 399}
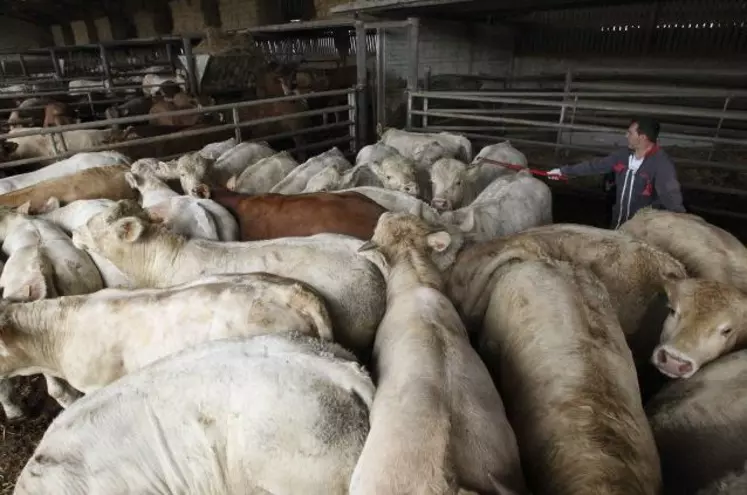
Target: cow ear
{"x": 201, "y": 191}
{"x": 131, "y": 180}
{"x": 25, "y": 208}
{"x": 468, "y": 223}
{"x": 438, "y": 241}
{"x": 231, "y": 184}
{"x": 129, "y": 229}
{"x": 53, "y": 203}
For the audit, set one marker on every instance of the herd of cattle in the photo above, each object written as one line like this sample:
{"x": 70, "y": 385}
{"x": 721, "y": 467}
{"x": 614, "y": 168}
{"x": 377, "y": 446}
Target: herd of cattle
{"x": 153, "y": 95}
{"x": 234, "y": 322}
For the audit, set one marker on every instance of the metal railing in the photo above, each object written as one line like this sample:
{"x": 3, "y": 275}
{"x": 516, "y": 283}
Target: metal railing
{"x": 352, "y": 137}
{"x": 558, "y": 115}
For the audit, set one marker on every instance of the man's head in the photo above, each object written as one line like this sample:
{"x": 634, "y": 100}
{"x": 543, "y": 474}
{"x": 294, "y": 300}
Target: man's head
{"x": 642, "y": 132}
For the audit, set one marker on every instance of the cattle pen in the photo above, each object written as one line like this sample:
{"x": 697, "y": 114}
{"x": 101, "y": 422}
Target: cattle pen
{"x": 558, "y": 79}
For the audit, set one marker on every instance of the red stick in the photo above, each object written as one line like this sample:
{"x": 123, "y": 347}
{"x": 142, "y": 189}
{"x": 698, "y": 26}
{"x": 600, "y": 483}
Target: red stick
{"x": 532, "y": 171}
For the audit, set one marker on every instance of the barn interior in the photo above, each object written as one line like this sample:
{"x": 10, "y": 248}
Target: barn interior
{"x": 560, "y": 79}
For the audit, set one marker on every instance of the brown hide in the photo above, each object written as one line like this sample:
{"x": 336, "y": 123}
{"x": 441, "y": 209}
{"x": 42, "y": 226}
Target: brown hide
{"x": 56, "y": 114}
{"x": 270, "y": 216}
{"x": 93, "y": 183}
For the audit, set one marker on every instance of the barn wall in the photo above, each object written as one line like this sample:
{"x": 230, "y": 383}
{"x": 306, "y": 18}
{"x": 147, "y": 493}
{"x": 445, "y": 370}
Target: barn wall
{"x": 452, "y": 48}
{"x": 20, "y": 35}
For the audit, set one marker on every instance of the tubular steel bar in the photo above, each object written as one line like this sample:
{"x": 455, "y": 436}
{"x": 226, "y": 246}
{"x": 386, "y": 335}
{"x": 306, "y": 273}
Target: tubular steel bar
{"x": 179, "y": 113}
{"x": 575, "y": 127}
{"x": 413, "y": 62}
{"x": 187, "y": 133}
{"x": 362, "y": 83}
{"x": 592, "y": 105}
{"x": 191, "y": 68}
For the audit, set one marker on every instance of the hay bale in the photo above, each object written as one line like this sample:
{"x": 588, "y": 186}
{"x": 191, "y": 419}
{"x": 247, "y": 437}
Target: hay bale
{"x": 216, "y": 42}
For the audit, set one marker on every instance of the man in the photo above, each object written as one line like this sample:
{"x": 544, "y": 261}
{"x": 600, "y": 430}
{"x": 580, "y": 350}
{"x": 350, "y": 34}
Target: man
{"x": 644, "y": 174}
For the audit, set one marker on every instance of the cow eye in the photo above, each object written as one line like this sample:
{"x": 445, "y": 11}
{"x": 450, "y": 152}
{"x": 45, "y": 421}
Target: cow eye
{"x": 726, "y": 331}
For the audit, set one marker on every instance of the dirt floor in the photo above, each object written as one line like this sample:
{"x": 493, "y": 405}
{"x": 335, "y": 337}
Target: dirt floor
{"x": 18, "y": 440}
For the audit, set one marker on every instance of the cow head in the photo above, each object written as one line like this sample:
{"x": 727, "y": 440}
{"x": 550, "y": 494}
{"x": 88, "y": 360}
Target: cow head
{"x": 707, "y": 319}
{"x": 7, "y": 148}
{"x": 397, "y": 232}
{"x": 112, "y": 232}
{"x": 449, "y": 179}
{"x": 426, "y": 154}
{"x": 193, "y": 169}
{"x": 398, "y": 174}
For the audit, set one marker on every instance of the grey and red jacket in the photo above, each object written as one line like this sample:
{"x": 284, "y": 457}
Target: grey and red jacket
{"x": 654, "y": 184}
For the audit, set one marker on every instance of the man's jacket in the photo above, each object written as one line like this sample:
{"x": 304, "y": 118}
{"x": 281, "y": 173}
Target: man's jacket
{"x": 653, "y": 184}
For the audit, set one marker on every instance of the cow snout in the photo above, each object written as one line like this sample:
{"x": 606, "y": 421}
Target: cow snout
{"x": 673, "y": 364}
{"x": 440, "y": 204}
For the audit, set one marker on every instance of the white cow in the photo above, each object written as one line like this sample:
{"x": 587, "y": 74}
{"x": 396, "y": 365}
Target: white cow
{"x": 375, "y": 153}
{"x": 395, "y": 172}
{"x": 68, "y": 166}
{"x": 73, "y": 271}
{"x": 706, "y": 413}
{"x": 398, "y": 201}
{"x": 192, "y": 169}
{"x": 559, "y": 356}
{"x": 451, "y": 429}
{"x": 419, "y": 146}
{"x": 152, "y": 83}
{"x": 270, "y": 414}
{"x": 39, "y": 146}
{"x": 152, "y": 256}
{"x": 263, "y": 175}
{"x": 185, "y": 215}
{"x": 456, "y": 184}
{"x": 508, "y": 205}
{"x": 92, "y": 340}
{"x": 213, "y": 150}
{"x": 296, "y": 180}
{"x": 73, "y": 215}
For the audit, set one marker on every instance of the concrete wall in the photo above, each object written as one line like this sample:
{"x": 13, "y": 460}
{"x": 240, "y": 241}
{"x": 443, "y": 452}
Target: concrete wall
{"x": 452, "y": 48}
{"x": 19, "y": 35}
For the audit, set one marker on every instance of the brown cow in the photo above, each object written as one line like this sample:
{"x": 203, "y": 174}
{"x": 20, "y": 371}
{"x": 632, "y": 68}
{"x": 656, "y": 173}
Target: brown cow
{"x": 56, "y": 114}
{"x": 270, "y": 216}
{"x": 180, "y": 101}
{"x": 93, "y": 183}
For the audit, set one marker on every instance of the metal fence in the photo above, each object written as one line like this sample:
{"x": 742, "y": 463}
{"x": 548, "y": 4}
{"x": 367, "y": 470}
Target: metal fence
{"x": 351, "y": 137}
{"x": 707, "y": 141}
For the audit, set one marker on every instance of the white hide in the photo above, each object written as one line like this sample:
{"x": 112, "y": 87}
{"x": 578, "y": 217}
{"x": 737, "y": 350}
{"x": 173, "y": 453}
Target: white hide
{"x": 68, "y": 166}
{"x": 152, "y": 256}
{"x": 42, "y": 146}
{"x": 185, "y": 215}
{"x": 396, "y": 173}
{"x": 152, "y": 83}
{"x": 92, "y": 340}
{"x": 83, "y": 86}
{"x": 399, "y": 202}
{"x": 73, "y": 271}
{"x": 270, "y": 414}
{"x": 73, "y": 215}
{"x": 192, "y": 169}
{"x": 414, "y": 145}
{"x": 451, "y": 428}
{"x": 213, "y": 150}
{"x": 295, "y": 182}
{"x": 509, "y": 204}
{"x": 375, "y": 153}
{"x": 262, "y": 176}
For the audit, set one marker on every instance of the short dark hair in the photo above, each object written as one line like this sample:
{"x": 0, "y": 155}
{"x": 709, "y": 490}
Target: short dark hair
{"x": 648, "y": 126}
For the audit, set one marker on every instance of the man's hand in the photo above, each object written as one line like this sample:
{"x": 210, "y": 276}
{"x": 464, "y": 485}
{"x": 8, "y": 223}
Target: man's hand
{"x": 554, "y": 174}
